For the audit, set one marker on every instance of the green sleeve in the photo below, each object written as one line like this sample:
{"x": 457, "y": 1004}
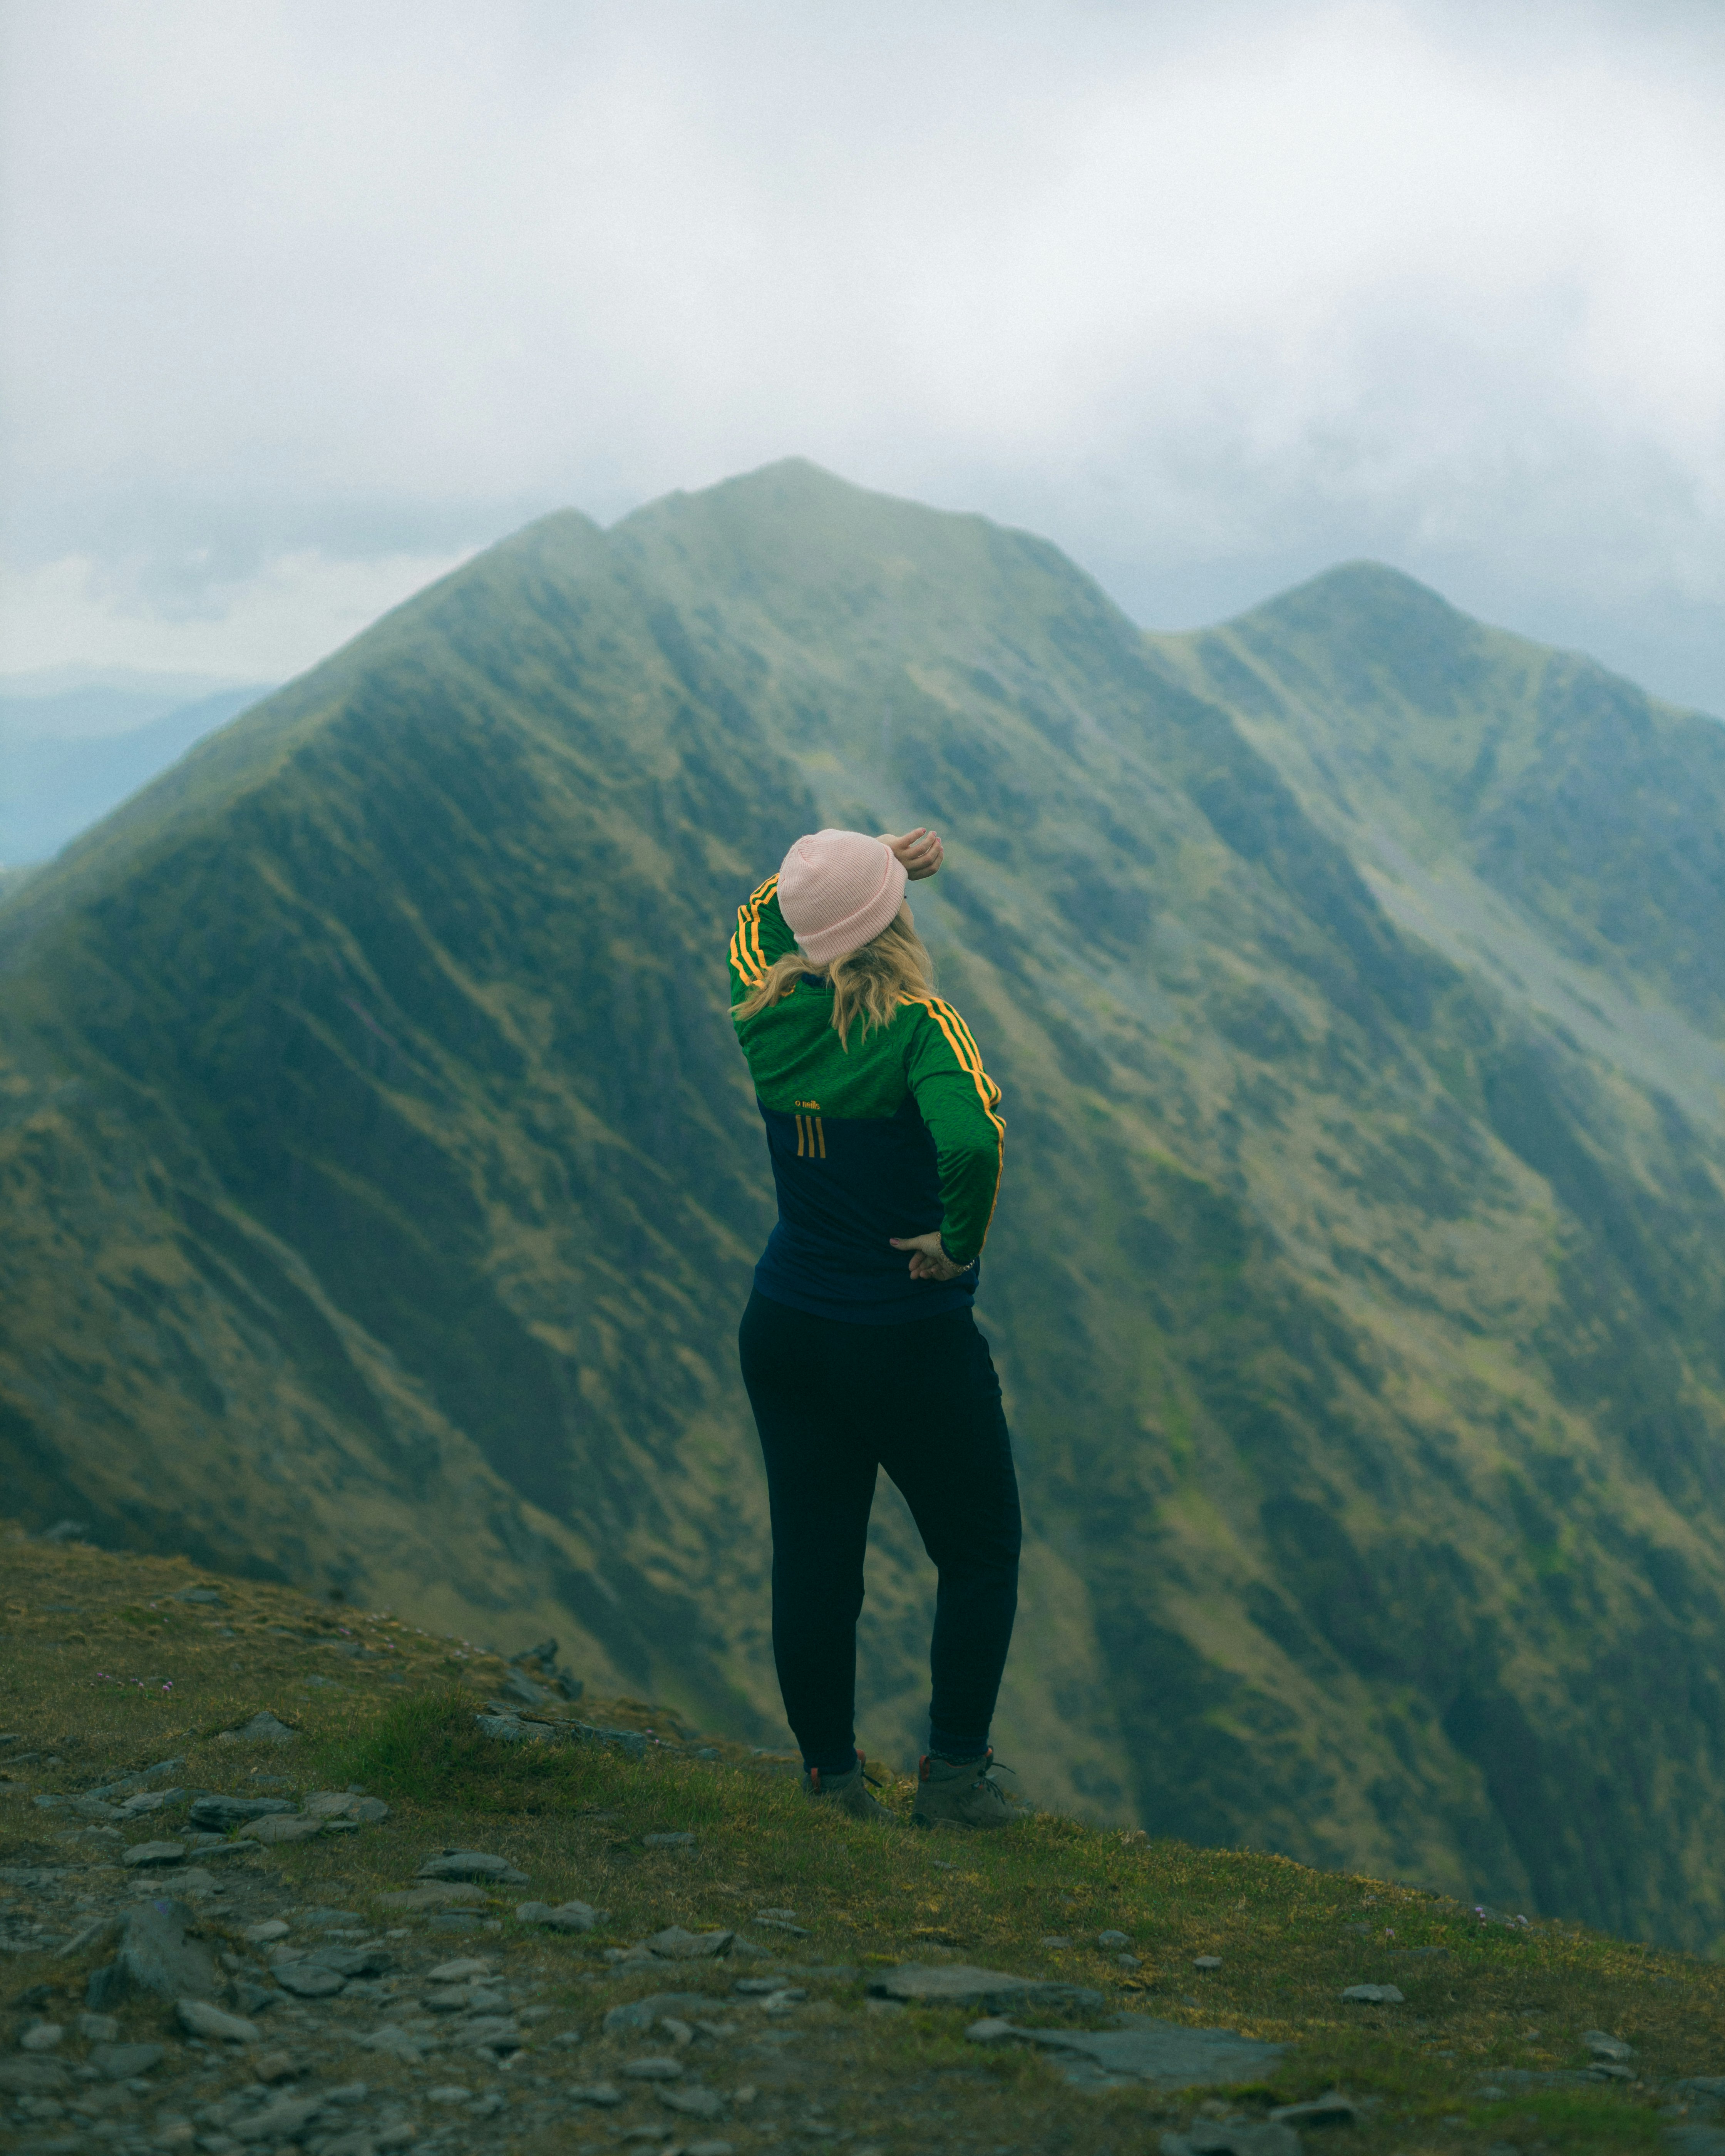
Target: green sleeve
{"x": 760, "y": 937}
{"x": 960, "y": 1104}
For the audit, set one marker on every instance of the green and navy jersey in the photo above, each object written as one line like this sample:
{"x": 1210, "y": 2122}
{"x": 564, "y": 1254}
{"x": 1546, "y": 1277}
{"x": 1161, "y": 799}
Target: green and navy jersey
{"x": 898, "y": 1134}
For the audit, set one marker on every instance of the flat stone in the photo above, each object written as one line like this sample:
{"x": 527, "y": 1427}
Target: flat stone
{"x": 155, "y": 1955}
{"x": 262, "y": 1935}
{"x": 1209, "y": 2137}
{"x": 211, "y": 1596}
{"x": 490, "y": 2032}
{"x": 450, "y": 1895}
{"x": 604, "y": 2096}
{"x": 124, "y": 2062}
{"x": 345, "y": 1804}
{"x": 565, "y": 1917}
{"x": 372, "y": 1958}
{"x": 1373, "y": 1994}
{"x": 673, "y": 1943}
{"x": 31, "y": 2076}
{"x": 1604, "y": 2046}
{"x": 652, "y": 2070}
{"x": 263, "y": 1729}
{"x": 960, "y": 1985}
{"x": 450, "y": 2092}
{"x": 279, "y": 2120}
{"x": 149, "y": 1800}
{"x": 508, "y": 1727}
{"x": 98, "y": 2028}
{"x": 148, "y": 1855}
{"x": 306, "y": 1980}
{"x": 1695, "y": 2138}
{"x": 1113, "y": 1940}
{"x": 472, "y": 1864}
{"x": 994, "y": 2028}
{"x": 294, "y": 1827}
{"x": 1332, "y": 2108}
{"x": 693, "y": 2103}
{"x": 1055, "y": 1939}
{"x": 1207, "y": 1961}
{"x": 198, "y": 2018}
{"x": 42, "y": 2037}
{"x": 251, "y": 1998}
{"x": 215, "y": 1812}
{"x": 647, "y": 2013}
{"x": 396, "y": 2042}
{"x": 1139, "y": 2048}
{"x": 460, "y": 1972}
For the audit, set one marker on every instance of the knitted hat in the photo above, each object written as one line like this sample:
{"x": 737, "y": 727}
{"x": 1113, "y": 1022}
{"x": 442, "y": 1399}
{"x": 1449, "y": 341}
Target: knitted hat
{"x": 836, "y": 891}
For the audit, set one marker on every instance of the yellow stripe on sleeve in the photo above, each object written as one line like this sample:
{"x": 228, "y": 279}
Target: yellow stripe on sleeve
{"x": 958, "y": 1037}
{"x": 747, "y": 955}
{"x": 959, "y": 1040}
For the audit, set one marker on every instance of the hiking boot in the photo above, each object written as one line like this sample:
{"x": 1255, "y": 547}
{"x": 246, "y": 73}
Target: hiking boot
{"x": 960, "y": 1793}
{"x": 846, "y": 1793}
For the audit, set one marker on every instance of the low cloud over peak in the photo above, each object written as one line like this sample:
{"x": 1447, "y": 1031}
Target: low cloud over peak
{"x": 306, "y": 304}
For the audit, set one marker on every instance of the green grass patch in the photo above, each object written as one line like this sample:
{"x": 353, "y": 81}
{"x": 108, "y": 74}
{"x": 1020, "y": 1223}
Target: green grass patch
{"x": 1487, "y": 2000}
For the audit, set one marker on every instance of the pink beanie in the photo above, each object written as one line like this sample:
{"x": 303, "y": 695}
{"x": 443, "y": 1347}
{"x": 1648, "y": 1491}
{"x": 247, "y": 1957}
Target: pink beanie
{"x": 836, "y": 891}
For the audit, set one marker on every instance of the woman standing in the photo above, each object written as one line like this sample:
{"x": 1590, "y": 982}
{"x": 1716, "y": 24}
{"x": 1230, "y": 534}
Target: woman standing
{"x": 859, "y": 1349}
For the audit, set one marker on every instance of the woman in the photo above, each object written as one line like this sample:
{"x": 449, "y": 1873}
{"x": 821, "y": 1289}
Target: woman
{"x": 859, "y": 1349}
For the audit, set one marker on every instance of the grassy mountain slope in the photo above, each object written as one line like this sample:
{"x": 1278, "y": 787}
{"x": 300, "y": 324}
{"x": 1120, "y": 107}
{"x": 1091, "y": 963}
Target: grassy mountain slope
{"x": 1496, "y": 2027}
{"x": 386, "y": 1183}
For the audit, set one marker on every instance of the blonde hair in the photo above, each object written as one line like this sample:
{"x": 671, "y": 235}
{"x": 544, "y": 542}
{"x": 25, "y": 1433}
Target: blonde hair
{"x": 869, "y": 984}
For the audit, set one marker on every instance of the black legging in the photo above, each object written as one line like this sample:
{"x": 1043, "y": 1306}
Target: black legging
{"x": 833, "y": 1403}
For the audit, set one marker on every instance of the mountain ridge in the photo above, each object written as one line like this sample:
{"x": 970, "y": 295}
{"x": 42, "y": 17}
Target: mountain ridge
{"x": 375, "y": 1128}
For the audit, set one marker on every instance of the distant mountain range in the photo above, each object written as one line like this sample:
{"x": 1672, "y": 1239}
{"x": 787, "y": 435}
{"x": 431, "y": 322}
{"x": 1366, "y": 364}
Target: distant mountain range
{"x": 69, "y": 756}
{"x": 384, "y": 1182}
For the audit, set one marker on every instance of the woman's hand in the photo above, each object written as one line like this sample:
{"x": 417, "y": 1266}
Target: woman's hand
{"x": 928, "y": 1261}
{"x": 920, "y": 850}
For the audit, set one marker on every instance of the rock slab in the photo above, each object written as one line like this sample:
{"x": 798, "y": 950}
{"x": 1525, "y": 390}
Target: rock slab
{"x": 431, "y": 1897}
{"x": 155, "y": 1955}
{"x": 673, "y": 1943}
{"x": 263, "y": 1729}
{"x": 648, "y": 2013}
{"x": 124, "y": 2062}
{"x": 216, "y": 1812}
{"x": 1261, "y": 2137}
{"x": 1138, "y": 2048}
{"x": 565, "y": 1917}
{"x": 960, "y": 1985}
{"x": 293, "y": 1828}
{"x": 198, "y": 2018}
{"x": 150, "y": 1855}
{"x": 345, "y": 1804}
{"x": 472, "y": 1864}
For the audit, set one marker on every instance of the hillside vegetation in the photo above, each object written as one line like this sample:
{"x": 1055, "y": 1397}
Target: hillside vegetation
{"x": 383, "y": 1182}
{"x": 369, "y": 2007}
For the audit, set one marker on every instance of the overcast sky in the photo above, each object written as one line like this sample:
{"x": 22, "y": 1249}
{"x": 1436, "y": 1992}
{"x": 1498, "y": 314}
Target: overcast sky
{"x": 304, "y": 302}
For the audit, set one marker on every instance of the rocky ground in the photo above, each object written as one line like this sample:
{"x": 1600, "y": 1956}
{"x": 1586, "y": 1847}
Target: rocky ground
{"x": 436, "y": 1903}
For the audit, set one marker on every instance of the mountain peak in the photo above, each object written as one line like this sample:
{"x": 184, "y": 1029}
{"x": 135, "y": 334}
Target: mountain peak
{"x": 1361, "y": 596}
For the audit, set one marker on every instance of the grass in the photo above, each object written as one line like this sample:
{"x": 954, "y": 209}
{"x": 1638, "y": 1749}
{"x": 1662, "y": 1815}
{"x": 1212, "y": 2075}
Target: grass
{"x": 104, "y": 1670}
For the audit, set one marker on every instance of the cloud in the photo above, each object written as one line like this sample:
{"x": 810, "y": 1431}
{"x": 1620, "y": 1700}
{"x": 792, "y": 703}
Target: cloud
{"x": 1211, "y": 296}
